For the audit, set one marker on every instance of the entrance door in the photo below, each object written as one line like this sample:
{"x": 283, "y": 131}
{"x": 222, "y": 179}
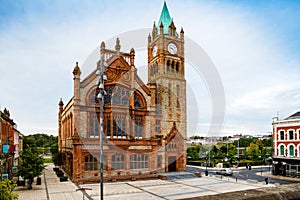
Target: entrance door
{"x": 171, "y": 163}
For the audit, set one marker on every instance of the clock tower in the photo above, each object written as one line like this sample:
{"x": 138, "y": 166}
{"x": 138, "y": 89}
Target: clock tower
{"x": 166, "y": 71}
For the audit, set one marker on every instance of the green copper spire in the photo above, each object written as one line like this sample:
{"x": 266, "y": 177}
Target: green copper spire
{"x": 165, "y": 18}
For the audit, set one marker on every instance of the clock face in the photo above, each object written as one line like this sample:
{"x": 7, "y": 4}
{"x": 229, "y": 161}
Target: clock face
{"x": 172, "y": 48}
{"x": 154, "y": 51}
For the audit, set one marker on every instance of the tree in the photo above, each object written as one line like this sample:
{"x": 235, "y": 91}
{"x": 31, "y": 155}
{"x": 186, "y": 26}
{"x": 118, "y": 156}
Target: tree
{"x": 253, "y": 151}
{"x": 193, "y": 151}
{"x": 6, "y": 188}
{"x": 31, "y": 165}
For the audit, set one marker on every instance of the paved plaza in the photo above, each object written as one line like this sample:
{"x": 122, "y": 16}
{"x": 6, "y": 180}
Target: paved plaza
{"x": 52, "y": 189}
{"x": 175, "y": 189}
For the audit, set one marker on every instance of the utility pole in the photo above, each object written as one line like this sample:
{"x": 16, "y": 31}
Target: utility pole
{"x": 238, "y": 149}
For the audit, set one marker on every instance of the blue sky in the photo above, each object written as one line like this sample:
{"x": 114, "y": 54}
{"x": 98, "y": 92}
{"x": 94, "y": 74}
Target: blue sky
{"x": 254, "y": 45}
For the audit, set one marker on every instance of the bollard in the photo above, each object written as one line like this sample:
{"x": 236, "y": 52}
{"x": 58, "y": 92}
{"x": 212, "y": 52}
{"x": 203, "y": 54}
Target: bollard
{"x": 221, "y": 177}
{"x": 236, "y": 179}
{"x": 266, "y": 180}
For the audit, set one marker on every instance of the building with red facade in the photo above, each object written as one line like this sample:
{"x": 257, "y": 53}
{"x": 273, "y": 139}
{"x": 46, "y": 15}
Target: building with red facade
{"x": 144, "y": 124}
{"x": 11, "y": 145}
{"x": 286, "y": 145}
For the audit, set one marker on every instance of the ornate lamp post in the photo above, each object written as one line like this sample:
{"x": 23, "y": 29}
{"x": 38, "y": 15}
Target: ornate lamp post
{"x": 100, "y": 84}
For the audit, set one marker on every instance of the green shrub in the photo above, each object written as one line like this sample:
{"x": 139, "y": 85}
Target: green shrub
{"x": 6, "y": 188}
{"x": 47, "y": 160}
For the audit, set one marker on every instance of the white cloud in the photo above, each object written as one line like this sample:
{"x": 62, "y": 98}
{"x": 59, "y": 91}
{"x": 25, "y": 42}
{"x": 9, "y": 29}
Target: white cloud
{"x": 39, "y": 52}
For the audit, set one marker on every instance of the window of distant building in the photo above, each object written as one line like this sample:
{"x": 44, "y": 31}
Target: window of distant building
{"x": 91, "y": 163}
{"x": 118, "y": 162}
{"x": 292, "y": 153}
{"x": 282, "y": 150}
{"x": 291, "y": 134}
{"x": 138, "y": 161}
{"x": 281, "y": 133}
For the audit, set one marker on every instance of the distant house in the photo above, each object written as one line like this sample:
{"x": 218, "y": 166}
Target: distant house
{"x": 286, "y": 144}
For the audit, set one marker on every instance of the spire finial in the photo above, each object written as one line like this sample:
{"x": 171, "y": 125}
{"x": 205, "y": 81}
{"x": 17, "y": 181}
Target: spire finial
{"x": 76, "y": 69}
{"x": 118, "y": 46}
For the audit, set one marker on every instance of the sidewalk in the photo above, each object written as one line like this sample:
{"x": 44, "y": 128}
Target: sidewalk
{"x": 50, "y": 188}
{"x": 270, "y": 175}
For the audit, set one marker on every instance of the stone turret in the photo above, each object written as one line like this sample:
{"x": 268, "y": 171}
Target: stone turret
{"x": 60, "y": 110}
{"x": 118, "y": 46}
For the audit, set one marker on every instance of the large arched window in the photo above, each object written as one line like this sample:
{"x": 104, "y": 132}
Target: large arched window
{"x": 118, "y": 162}
{"x": 292, "y": 151}
{"x": 120, "y": 95}
{"x": 282, "y": 150}
{"x": 137, "y": 101}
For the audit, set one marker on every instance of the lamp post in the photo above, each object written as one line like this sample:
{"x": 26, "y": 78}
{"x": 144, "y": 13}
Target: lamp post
{"x": 206, "y": 172}
{"x": 100, "y": 84}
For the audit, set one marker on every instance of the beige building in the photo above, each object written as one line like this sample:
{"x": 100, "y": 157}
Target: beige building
{"x": 144, "y": 124}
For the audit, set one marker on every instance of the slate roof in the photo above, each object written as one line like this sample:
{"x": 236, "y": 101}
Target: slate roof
{"x": 294, "y": 116}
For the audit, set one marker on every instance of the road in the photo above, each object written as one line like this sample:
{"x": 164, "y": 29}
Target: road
{"x": 244, "y": 174}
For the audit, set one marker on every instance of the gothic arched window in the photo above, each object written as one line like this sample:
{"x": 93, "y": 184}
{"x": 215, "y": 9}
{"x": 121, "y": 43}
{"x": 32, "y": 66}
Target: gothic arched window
{"x": 119, "y": 126}
{"x": 93, "y": 125}
{"x": 138, "y": 161}
{"x": 120, "y": 95}
{"x": 168, "y": 66}
{"x": 138, "y": 126}
{"x": 137, "y": 101}
{"x": 93, "y": 98}
{"x": 177, "y": 67}
{"x": 118, "y": 162}
{"x": 173, "y": 65}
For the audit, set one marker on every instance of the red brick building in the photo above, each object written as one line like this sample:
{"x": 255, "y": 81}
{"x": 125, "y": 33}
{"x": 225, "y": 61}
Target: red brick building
{"x": 10, "y": 143}
{"x": 144, "y": 125}
{"x": 286, "y": 144}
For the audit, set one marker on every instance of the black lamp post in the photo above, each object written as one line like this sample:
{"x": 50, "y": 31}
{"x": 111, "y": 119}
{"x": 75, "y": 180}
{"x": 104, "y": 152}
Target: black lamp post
{"x": 206, "y": 172}
{"x": 102, "y": 77}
